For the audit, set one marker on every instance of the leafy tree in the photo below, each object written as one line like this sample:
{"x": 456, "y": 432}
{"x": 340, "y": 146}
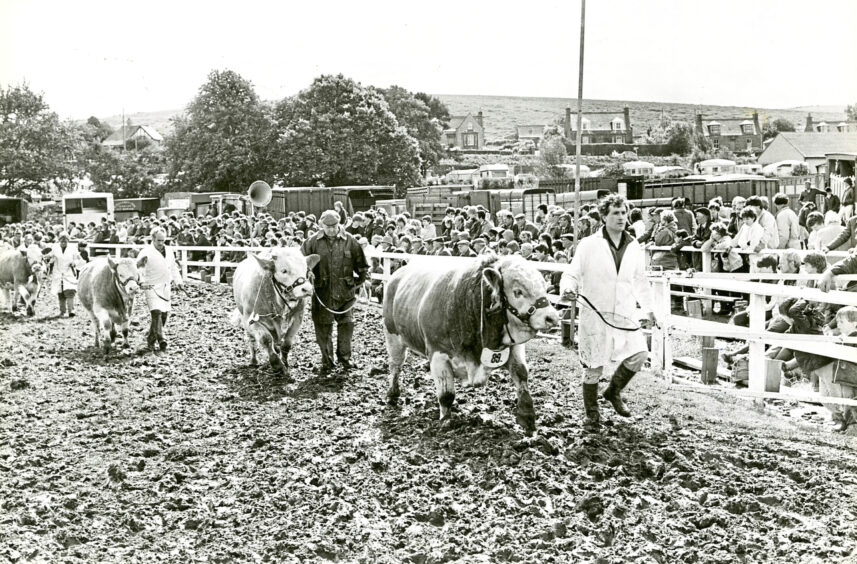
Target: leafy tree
{"x": 221, "y": 142}
{"x": 800, "y": 170}
{"x": 679, "y": 137}
{"x": 415, "y": 115}
{"x": 35, "y": 146}
{"x": 851, "y": 112}
{"x": 97, "y": 130}
{"x": 337, "y": 132}
{"x": 437, "y": 109}
{"x": 779, "y": 125}
{"x": 614, "y": 170}
{"x": 553, "y": 152}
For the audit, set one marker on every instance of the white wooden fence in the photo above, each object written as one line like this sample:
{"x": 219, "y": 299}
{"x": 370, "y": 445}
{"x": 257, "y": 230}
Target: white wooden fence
{"x": 700, "y": 284}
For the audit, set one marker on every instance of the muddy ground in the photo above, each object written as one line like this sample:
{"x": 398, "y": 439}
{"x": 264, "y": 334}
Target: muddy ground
{"x": 190, "y": 456}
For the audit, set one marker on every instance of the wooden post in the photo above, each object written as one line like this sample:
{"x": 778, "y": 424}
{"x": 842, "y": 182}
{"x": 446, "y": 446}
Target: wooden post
{"x": 217, "y": 264}
{"x": 661, "y": 349}
{"x": 707, "y": 342}
{"x": 184, "y": 263}
{"x": 694, "y": 308}
{"x": 757, "y": 346}
{"x": 773, "y": 372}
{"x": 706, "y": 261}
{"x": 709, "y": 365}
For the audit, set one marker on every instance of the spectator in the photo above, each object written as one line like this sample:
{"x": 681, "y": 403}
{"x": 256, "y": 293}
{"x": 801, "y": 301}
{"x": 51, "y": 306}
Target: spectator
{"x": 821, "y": 235}
{"x": 788, "y": 226}
{"x": 666, "y": 237}
{"x": 683, "y": 218}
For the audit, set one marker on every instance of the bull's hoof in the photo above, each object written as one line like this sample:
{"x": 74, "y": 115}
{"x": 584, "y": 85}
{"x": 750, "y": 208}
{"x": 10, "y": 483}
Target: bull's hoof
{"x": 393, "y": 397}
{"x": 527, "y": 421}
{"x": 447, "y": 423}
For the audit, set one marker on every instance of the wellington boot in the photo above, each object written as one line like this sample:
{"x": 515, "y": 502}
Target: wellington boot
{"x": 592, "y": 417}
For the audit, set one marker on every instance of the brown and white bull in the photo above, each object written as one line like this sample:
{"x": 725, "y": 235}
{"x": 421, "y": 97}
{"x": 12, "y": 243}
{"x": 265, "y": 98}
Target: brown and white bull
{"x": 19, "y": 276}
{"x": 270, "y": 294}
{"x": 464, "y": 316}
{"x": 106, "y": 288}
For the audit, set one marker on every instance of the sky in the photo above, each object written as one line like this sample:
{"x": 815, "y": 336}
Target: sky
{"x": 94, "y": 57}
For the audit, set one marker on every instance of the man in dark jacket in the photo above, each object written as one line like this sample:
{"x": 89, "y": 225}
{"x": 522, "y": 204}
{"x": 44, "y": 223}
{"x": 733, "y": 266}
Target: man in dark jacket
{"x": 340, "y": 272}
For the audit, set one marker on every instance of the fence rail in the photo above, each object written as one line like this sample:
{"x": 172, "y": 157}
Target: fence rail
{"x": 661, "y": 283}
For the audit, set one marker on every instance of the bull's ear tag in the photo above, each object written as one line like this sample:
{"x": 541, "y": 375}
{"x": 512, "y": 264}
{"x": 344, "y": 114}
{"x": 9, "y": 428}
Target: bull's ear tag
{"x": 494, "y": 359}
{"x": 253, "y": 319}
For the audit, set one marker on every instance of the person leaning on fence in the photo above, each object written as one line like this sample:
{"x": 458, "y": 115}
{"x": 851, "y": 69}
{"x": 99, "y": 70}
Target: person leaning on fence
{"x": 160, "y": 273}
{"x": 608, "y": 269}
{"x": 842, "y": 382}
{"x": 341, "y": 271}
{"x": 765, "y": 265}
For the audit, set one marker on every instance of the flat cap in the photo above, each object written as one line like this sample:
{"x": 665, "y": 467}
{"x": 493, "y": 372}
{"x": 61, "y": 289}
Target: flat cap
{"x": 329, "y": 218}
{"x": 520, "y": 216}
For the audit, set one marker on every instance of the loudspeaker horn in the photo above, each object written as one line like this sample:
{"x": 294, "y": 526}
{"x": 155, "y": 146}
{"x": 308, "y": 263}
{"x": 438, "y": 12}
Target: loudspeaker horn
{"x": 259, "y": 194}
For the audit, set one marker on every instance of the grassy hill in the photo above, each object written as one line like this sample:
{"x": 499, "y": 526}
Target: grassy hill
{"x": 501, "y": 113}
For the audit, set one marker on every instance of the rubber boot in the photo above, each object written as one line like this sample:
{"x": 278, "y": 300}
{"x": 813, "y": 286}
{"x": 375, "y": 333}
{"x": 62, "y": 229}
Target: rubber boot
{"x": 162, "y": 342}
{"x": 344, "y": 331}
{"x": 61, "y": 297}
{"x": 592, "y": 417}
{"x": 324, "y": 338}
{"x": 612, "y": 394}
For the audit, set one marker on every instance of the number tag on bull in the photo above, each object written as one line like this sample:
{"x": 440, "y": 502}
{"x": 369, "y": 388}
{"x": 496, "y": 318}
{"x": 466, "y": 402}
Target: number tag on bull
{"x": 494, "y": 359}
{"x": 253, "y": 319}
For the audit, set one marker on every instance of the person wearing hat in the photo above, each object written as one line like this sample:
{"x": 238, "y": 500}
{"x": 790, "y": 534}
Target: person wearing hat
{"x": 480, "y": 246}
{"x": 67, "y": 262}
{"x": 417, "y": 247}
{"x": 340, "y": 272}
{"x": 464, "y": 249}
{"x": 521, "y": 225}
{"x": 437, "y": 248}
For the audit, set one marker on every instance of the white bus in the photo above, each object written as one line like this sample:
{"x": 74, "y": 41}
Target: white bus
{"x": 83, "y": 207}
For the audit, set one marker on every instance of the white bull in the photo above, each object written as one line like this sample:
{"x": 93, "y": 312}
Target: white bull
{"x": 270, "y": 294}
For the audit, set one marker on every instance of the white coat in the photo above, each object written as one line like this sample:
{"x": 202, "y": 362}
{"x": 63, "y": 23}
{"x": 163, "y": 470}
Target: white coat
{"x": 67, "y": 265}
{"x": 593, "y": 274}
{"x": 160, "y": 271}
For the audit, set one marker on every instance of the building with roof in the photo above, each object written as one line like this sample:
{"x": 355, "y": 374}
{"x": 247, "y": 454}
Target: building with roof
{"x": 133, "y": 134}
{"x": 808, "y": 147}
{"x": 600, "y": 127}
{"x": 842, "y": 126}
{"x": 464, "y": 132}
{"x": 534, "y": 132}
{"x": 739, "y": 135}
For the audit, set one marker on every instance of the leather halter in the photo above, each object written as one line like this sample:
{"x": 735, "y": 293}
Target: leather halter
{"x": 509, "y": 308}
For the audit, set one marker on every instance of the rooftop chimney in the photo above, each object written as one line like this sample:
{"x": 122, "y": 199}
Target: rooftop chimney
{"x": 809, "y": 124}
{"x": 479, "y": 118}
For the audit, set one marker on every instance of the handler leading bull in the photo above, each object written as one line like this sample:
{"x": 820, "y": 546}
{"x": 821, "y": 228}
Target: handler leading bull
{"x": 464, "y": 316}
{"x": 608, "y": 269}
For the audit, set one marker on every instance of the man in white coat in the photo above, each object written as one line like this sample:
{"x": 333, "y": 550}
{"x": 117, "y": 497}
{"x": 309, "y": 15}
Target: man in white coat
{"x": 67, "y": 262}
{"x": 161, "y": 271}
{"x": 608, "y": 269}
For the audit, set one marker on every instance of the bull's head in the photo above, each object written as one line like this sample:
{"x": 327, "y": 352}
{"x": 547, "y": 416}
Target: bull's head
{"x": 521, "y": 289}
{"x": 290, "y": 269}
{"x": 127, "y": 273}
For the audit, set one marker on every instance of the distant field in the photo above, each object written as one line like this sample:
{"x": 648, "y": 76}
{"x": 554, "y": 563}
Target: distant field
{"x": 501, "y": 113}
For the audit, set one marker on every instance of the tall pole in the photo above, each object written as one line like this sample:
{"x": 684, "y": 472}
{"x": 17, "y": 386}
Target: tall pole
{"x": 579, "y": 122}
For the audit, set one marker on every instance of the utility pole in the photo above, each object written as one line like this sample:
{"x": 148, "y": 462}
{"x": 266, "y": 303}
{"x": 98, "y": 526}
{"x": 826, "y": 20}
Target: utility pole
{"x": 579, "y": 122}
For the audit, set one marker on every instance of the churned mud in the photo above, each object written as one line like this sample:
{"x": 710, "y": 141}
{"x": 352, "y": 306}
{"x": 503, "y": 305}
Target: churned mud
{"x": 191, "y": 456}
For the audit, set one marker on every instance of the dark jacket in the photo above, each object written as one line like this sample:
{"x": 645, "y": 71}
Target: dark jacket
{"x": 341, "y": 270}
